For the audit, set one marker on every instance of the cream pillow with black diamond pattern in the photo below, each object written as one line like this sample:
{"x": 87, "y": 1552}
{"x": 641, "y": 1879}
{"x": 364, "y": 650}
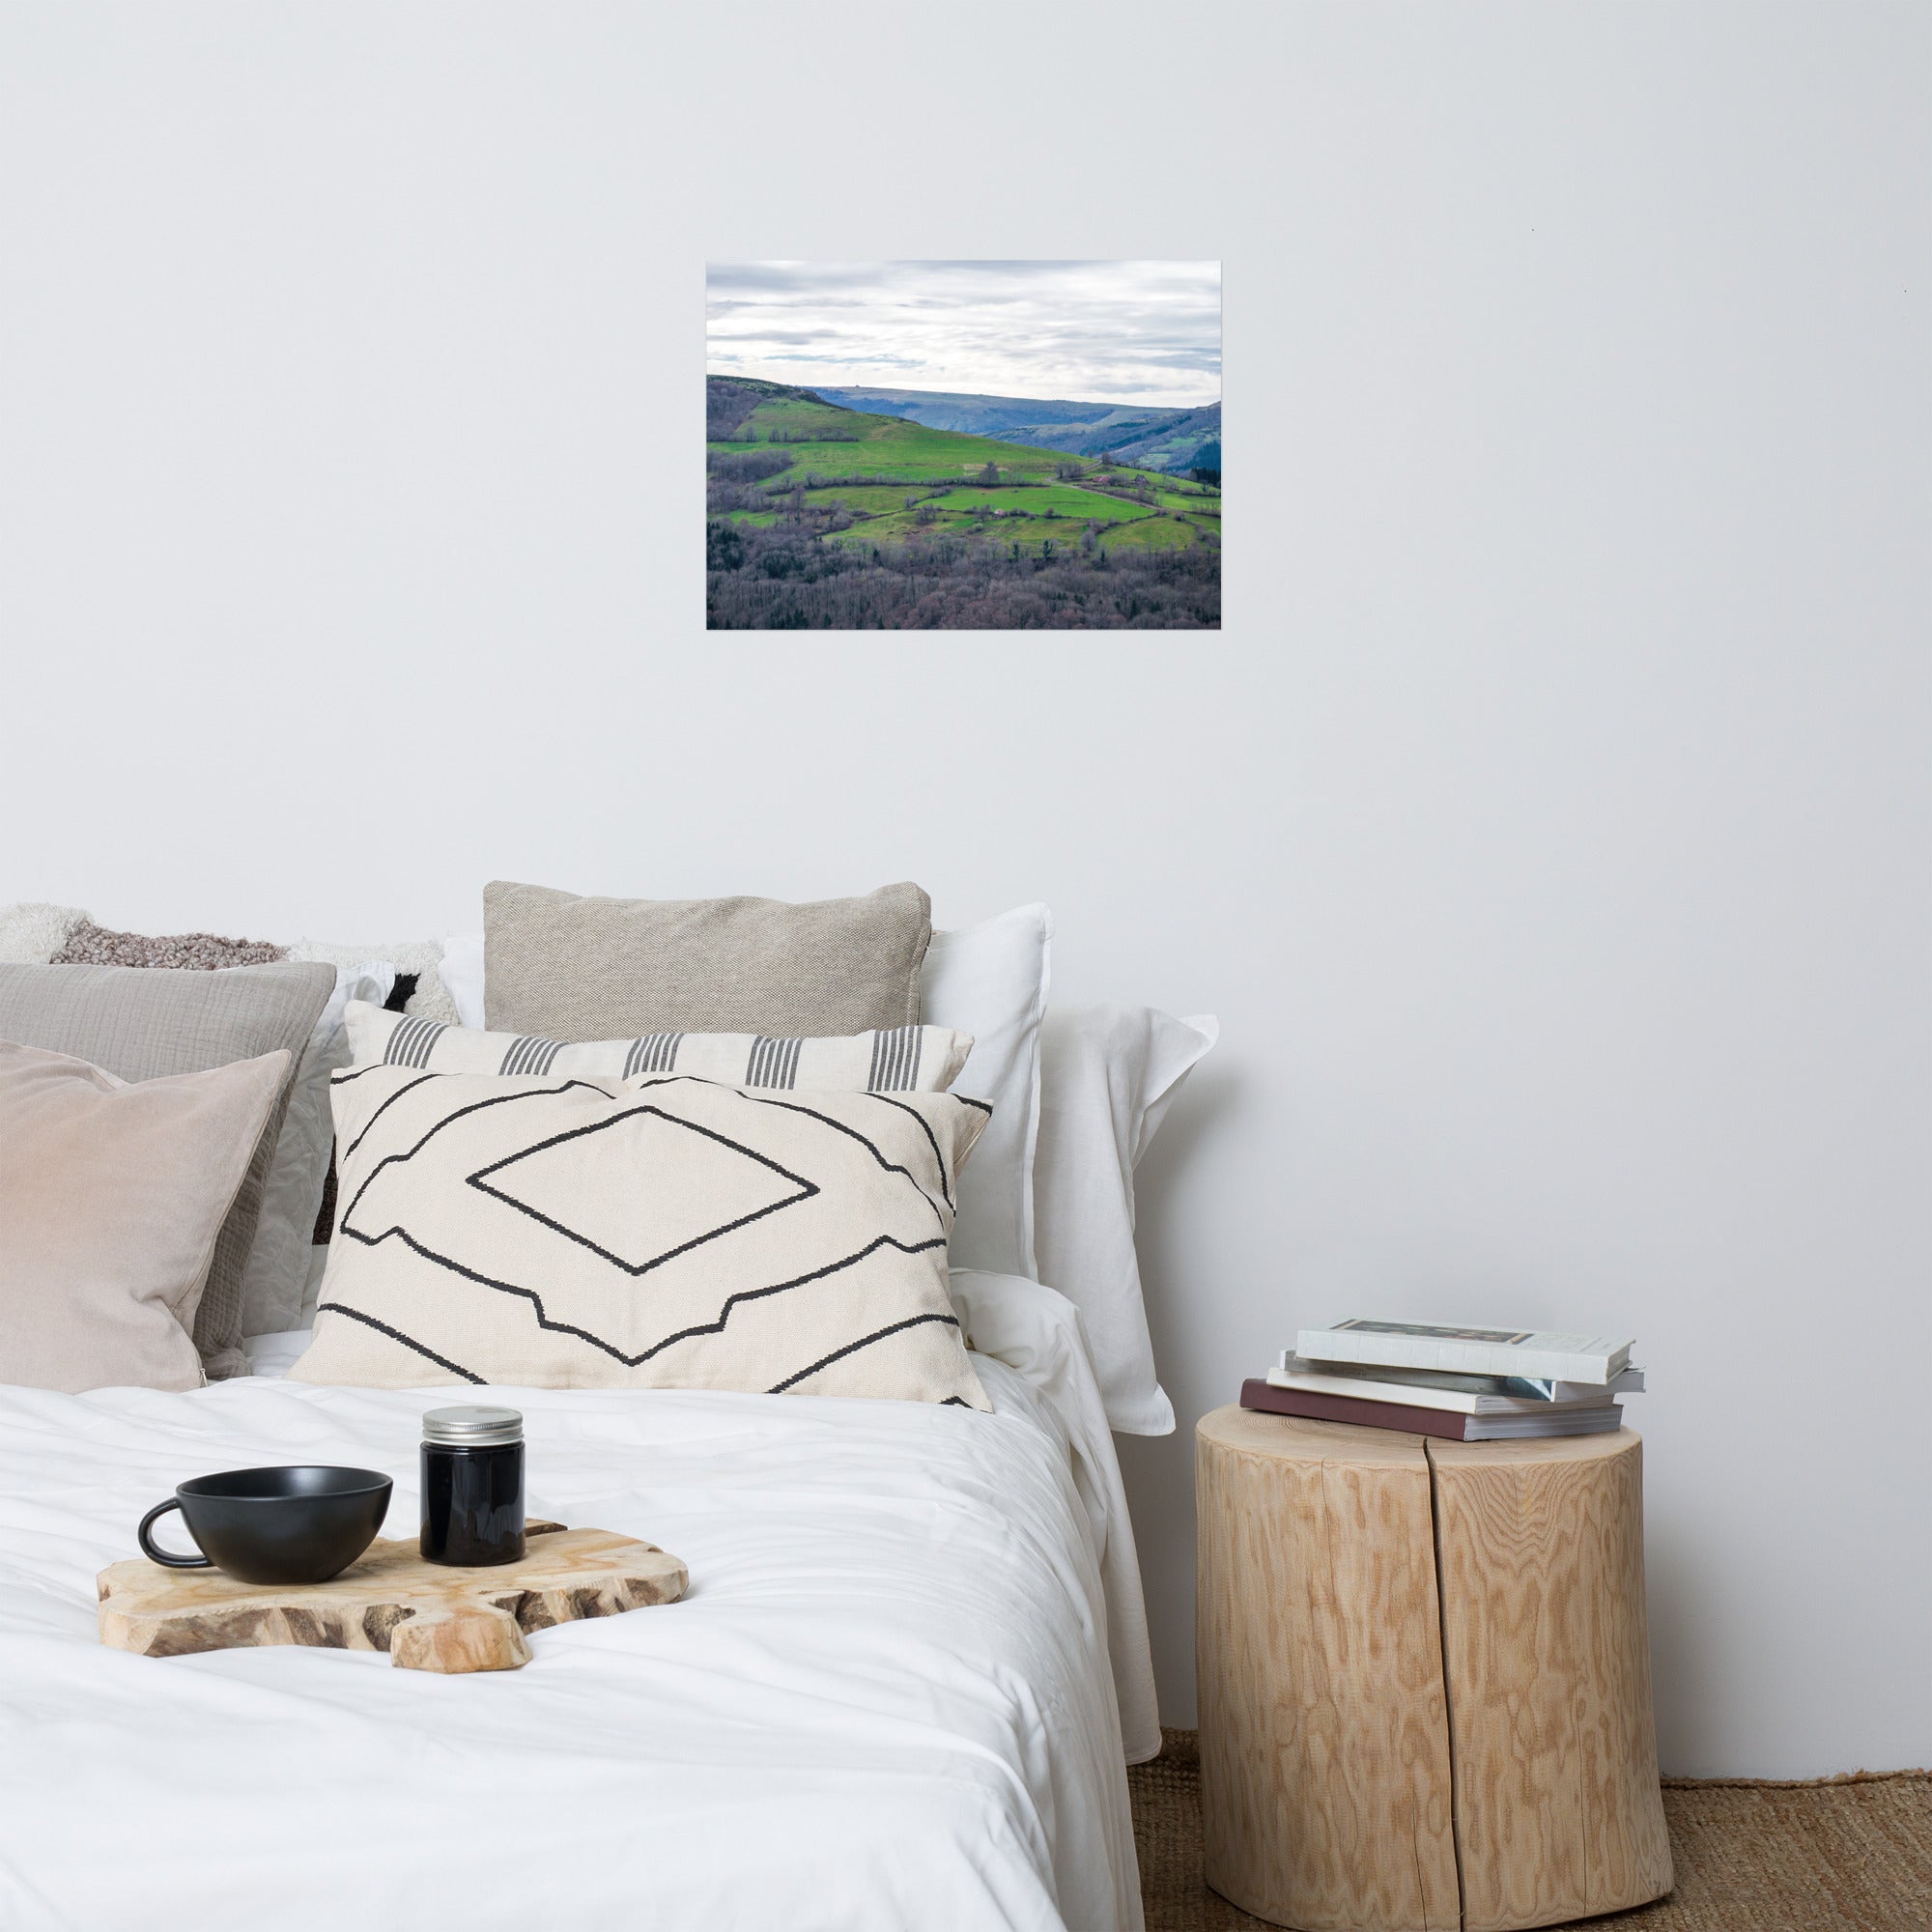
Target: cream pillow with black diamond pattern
{"x": 661, "y": 1232}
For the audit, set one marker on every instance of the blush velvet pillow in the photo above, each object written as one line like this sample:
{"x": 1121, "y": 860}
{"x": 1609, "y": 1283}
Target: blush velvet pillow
{"x": 656, "y": 1233}
{"x": 112, "y": 1193}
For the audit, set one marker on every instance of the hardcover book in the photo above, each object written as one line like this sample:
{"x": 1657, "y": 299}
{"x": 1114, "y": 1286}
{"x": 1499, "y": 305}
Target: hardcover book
{"x": 1583, "y": 1419}
{"x": 1466, "y": 1350}
{"x": 1460, "y": 1395}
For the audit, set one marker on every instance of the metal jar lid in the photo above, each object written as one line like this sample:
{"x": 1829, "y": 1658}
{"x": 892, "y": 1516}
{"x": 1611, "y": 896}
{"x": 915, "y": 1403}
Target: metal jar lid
{"x": 472, "y": 1428}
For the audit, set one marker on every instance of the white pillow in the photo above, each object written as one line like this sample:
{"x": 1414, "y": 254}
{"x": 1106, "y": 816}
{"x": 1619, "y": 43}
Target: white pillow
{"x": 462, "y": 973}
{"x": 1109, "y": 1075}
{"x": 992, "y": 980}
{"x": 421, "y": 956}
{"x": 277, "y": 1266}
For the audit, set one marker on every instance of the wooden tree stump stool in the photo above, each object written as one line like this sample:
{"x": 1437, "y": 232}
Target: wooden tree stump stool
{"x": 1424, "y": 1677}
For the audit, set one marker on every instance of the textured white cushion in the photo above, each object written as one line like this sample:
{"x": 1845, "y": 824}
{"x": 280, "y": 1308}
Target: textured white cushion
{"x": 992, "y": 980}
{"x": 900, "y": 1059}
{"x": 1109, "y": 1075}
{"x": 421, "y": 956}
{"x": 656, "y": 1233}
{"x": 31, "y": 934}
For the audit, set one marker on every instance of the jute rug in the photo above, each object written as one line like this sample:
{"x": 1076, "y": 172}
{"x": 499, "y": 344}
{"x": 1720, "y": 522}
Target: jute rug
{"x": 1850, "y": 1855}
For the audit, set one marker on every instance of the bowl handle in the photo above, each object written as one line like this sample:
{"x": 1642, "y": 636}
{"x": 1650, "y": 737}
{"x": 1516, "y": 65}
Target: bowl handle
{"x": 154, "y": 1551}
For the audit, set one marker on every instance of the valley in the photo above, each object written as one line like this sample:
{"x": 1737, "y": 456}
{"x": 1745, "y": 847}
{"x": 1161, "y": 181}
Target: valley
{"x": 1177, "y": 440}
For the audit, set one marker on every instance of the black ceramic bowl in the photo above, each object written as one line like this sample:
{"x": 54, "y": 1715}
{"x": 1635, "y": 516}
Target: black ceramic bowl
{"x": 301, "y": 1525}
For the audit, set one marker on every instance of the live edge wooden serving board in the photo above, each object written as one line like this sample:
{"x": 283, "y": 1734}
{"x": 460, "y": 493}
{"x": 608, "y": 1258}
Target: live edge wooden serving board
{"x": 426, "y": 1615}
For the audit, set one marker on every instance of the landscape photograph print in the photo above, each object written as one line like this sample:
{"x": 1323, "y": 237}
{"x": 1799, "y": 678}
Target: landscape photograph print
{"x": 963, "y": 445}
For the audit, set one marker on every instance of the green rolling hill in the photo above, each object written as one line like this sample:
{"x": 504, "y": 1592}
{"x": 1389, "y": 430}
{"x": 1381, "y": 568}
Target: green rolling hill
{"x": 779, "y": 456}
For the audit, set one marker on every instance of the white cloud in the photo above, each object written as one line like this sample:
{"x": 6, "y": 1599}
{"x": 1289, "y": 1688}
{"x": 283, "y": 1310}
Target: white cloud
{"x": 1103, "y": 332}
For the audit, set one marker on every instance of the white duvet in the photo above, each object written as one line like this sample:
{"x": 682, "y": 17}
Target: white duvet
{"x": 888, "y": 1700}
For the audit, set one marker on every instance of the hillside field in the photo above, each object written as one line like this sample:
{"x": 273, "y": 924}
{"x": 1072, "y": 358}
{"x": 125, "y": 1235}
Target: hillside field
{"x": 808, "y": 476}
{"x": 873, "y": 465}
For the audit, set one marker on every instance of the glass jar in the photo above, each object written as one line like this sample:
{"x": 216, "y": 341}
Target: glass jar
{"x": 472, "y": 1486}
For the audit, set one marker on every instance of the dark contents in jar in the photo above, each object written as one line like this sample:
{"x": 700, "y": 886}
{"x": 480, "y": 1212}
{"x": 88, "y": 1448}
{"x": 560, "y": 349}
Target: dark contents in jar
{"x": 473, "y": 1491}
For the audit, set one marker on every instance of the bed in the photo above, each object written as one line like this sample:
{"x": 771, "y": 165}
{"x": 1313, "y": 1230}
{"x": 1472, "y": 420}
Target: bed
{"x": 901, "y": 1691}
{"x": 912, "y": 1665}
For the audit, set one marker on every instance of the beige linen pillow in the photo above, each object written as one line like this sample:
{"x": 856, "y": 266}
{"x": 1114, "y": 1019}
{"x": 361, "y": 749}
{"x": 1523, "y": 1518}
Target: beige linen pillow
{"x": 655, "y": 1232}
{"x": 570, "y": 968}
{"x": 140, "y": 1025}
{"x": 112, "y": 1195}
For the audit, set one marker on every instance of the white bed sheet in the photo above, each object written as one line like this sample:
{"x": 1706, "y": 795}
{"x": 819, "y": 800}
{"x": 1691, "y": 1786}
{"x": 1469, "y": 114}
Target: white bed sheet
{"x": 886, "y": 1702}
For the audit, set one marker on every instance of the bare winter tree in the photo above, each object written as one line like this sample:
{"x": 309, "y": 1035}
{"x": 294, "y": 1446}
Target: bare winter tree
{"x": 750, "y": 468}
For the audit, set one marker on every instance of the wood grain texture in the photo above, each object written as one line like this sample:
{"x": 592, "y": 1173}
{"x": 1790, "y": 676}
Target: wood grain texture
{"x": 426, "y": 1615}
{"x": 1546, "y": 1654}
{"x": 1325, "y": 1762}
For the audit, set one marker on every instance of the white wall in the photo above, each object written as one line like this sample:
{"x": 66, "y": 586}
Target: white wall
{"x": 1547, "y": 825}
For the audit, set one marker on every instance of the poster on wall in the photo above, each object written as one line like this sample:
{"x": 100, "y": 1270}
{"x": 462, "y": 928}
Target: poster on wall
{"x": 964, "y": 445}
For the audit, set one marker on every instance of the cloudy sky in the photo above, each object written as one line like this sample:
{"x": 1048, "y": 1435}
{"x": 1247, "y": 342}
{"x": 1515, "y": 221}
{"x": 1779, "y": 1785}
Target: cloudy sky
{"x": 1107, "y": 331}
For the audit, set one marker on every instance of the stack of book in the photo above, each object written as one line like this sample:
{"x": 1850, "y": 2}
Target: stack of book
{"x": 1469, "y": 1385}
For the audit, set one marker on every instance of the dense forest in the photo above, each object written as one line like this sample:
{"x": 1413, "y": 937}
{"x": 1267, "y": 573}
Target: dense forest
{"x": 820, "y": 516}
{"x": 772, "y": 579}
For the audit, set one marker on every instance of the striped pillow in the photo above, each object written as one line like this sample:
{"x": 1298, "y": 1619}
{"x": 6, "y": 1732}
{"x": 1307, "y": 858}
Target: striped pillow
{"x": 895, "y": 1059}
